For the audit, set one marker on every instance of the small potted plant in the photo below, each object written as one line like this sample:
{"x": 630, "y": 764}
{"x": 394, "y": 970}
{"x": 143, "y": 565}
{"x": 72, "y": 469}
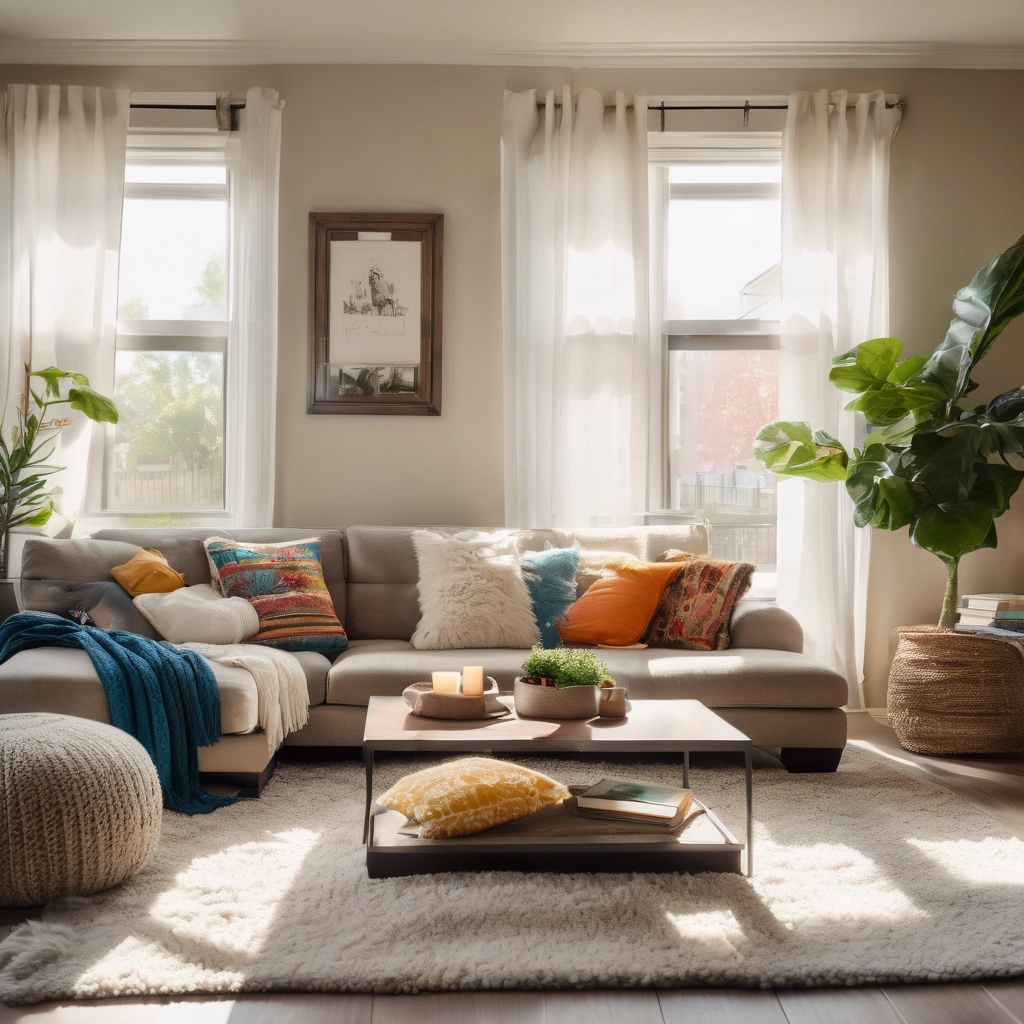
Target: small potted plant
{"x": 563, "y": 682}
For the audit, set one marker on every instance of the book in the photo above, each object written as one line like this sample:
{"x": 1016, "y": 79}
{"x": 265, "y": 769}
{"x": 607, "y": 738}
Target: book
{"x": 994, "y": 602}
{"x": 1009, "y": 615}
{"x": 638, "y": 799}
{"x": 1016, "y": 635}
{"x": 680, "y": 821}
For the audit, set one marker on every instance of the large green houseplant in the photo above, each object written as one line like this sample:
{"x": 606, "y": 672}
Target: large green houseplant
{"x": 934, "y": 462}
{"x": 25, "y": 498}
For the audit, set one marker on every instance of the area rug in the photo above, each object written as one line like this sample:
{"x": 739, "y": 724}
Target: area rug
{"x": 866, "y": 876}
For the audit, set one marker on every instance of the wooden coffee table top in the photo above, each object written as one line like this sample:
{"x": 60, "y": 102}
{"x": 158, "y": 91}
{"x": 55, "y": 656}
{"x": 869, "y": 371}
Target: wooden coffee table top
{"x": 652, "y": 725}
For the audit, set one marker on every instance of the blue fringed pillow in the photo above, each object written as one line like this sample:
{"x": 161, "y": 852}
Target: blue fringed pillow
{"x": 551, "y": 578}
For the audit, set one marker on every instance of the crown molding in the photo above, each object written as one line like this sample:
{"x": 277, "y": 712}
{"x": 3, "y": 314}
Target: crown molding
{"x": 632, "y": 55}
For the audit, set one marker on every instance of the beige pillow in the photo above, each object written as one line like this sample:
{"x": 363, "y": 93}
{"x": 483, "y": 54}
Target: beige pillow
{"x": 469, "y": 795}
{"x": 199, "y": 615}
{"x": 599, "y": 565}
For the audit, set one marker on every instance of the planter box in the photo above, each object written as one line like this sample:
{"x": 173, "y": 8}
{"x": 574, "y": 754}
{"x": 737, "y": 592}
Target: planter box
{"x": 534, "y": 701}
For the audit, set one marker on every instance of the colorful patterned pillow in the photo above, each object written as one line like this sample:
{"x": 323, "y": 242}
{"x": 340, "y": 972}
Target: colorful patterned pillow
{"x": 695, "y": 609}
{"x": 285, "y": 584}
{"x": 551, "y": 579}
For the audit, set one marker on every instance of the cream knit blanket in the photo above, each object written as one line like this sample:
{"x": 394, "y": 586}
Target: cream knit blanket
{"x": 282, "y": 695}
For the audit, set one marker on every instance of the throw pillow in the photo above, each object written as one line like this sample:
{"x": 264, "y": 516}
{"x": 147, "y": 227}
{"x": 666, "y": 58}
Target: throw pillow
{"x": 107, "y": 605}
{"x": 148, "y": 572}
{"x": 472, "y": 592}
{"x": 598, "y": 565}
{"x": 199, "y": 615}
{"x": 285, "y": 584}
{"x": 695, "y": 610}
{"x": 551, "y": 579}
{"x": 616, "y": 609}
{"x": 469, "y": 795}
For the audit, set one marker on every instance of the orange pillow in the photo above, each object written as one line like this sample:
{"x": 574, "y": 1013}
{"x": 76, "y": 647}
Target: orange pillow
{"x": 147, "y": 573}
{"x": 616, "y": 609}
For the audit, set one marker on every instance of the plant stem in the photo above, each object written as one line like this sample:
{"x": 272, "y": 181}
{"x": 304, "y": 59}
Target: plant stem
{"x": 948, "y": 617}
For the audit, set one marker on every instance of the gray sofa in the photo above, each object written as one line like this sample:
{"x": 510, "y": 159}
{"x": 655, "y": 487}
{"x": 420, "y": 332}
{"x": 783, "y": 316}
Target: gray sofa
{"x": 764, "y": 685}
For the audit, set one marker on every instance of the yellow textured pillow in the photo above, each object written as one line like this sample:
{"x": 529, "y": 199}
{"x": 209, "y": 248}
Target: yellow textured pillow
{"x": 466, "y": 796}
{"x": 148, "y": 573}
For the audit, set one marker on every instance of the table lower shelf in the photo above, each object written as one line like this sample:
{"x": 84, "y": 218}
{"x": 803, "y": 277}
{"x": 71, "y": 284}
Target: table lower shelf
{"x": 705, "y": 845}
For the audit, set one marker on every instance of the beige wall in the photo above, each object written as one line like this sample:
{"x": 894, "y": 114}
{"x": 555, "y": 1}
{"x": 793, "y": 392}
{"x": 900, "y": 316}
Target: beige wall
{"x": 426, "y": 139}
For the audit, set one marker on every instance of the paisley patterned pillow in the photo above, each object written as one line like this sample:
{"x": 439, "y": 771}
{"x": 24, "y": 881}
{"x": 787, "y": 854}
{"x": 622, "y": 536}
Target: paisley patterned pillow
{"x": 469, "y": 795}
{"x": 695, "y": 608}
{"x": 285, "y": 584}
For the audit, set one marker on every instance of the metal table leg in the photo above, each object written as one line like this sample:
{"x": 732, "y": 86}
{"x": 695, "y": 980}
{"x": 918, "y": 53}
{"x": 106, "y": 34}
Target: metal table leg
{"x": 748, "y": 758}
{"x": 686, "y": 769}
{"x": 368, "y": 762}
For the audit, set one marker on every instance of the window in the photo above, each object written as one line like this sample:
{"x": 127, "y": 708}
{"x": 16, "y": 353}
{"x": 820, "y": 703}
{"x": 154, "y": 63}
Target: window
{"x": 167, "y": 450}
{"x": 722, "y": 248}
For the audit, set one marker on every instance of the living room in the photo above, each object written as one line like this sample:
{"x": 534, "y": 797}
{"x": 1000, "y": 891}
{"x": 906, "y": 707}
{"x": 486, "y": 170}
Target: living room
{"x": 596, "y": 267}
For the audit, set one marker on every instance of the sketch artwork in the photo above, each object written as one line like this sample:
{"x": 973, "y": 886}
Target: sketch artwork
{"x": 375, "y": 304}
{"x": 373, "y": 380}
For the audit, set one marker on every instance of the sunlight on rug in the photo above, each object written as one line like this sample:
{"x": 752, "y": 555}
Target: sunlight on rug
{"x": 867, "y": 876}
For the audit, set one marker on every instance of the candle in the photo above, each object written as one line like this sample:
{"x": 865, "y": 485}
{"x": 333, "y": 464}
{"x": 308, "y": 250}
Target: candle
{"x": 445, "y": 682}
{"x": 473, "y": 680}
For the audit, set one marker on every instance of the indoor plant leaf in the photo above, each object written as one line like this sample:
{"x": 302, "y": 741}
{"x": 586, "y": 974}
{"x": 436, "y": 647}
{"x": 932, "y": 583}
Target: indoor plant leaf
{"x": 952, "y": 531}
{"x": 793, "y": 449}
{"x": 867, "y": 366}
{"x": 96, "y": 406}
{"x": 881, "y": 499}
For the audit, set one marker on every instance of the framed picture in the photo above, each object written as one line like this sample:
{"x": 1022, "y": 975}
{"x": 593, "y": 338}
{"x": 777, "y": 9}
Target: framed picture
{"x": 375, "y": 313}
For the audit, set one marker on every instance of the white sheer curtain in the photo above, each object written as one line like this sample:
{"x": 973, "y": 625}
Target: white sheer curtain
{"x": 575, "y": 248}
{"x": 835, "y": 274}
{"x": 61, "y": 188}
{"x": 252, "y": 337}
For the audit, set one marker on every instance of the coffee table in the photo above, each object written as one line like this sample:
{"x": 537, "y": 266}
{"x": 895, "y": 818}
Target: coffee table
{"x": 652, "y": 726}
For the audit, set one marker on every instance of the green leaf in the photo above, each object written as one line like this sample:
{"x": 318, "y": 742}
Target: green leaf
{"x": 792, "y": 449}
{"x": 892, "y": 403}
{"x": 880, "y": 499}
{"x": 905, "y": 370}
{"x": 993, "y": 298}
{"x": 42, "y": 517}
{"x": 96, "y": 406}
{"x": 945, "y": 466}
{"x": 52, "y": 377}
{"x": 867, "y": 366}
{"x": 951, "y": 531}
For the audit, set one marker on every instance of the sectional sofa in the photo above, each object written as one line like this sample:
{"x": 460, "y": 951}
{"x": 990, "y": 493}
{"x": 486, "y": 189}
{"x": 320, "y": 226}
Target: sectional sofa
{"x": 763, "y": 684}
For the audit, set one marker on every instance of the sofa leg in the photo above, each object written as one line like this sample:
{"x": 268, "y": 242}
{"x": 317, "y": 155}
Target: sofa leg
{"x": 811, "y": 759}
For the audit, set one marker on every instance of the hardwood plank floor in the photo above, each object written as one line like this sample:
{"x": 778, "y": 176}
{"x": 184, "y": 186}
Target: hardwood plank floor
{"x": 992, "y": 784}
{"x": 947, "y": 1004}
{"x": 720, "y": 1006}
{"x": 837, "y": 1006}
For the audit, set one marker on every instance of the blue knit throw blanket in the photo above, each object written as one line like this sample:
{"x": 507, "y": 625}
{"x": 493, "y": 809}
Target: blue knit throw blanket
{"x": 166, "y": 698}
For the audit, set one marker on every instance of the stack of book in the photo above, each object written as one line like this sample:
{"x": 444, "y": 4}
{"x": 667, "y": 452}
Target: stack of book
{"x": 993, "y": 611}
{"x": 641, "y": 802}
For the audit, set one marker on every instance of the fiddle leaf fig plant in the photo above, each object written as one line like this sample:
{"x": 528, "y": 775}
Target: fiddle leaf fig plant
{"x": 25, "y": 498}
{"x": 933, "y": 462}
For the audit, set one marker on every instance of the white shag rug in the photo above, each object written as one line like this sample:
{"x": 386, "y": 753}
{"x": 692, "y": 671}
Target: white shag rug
{"x": 869, "y": 875}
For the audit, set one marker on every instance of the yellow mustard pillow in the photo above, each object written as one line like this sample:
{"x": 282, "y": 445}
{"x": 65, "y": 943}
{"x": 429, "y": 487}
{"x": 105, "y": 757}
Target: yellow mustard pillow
{"x": 148, "y": 573}
{"x": 466, "y": 796}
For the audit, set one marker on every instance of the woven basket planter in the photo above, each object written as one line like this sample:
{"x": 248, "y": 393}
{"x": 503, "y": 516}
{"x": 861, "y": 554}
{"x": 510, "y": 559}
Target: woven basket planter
{"x": 955, "y": 693}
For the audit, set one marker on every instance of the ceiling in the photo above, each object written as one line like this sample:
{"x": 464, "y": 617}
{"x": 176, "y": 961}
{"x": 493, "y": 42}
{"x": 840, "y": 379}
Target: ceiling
{"x": 950, "y": 33}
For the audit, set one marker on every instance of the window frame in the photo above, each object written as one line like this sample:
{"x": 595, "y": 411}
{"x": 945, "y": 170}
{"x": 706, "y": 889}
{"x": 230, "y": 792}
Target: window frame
{"x": 169, "y": 148}
{"x": 688, "y": 148}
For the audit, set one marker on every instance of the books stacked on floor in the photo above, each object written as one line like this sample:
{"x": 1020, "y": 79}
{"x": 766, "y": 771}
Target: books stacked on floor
{"x": 640, "y": 802}
{"x": 1000, "y": 612}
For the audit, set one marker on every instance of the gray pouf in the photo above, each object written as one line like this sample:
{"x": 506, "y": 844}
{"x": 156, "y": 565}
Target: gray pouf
{"x": 80, "y": 807}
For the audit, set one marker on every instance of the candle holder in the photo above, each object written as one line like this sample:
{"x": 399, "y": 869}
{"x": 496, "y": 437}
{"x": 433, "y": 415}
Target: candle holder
{"x": 425, "y": 703}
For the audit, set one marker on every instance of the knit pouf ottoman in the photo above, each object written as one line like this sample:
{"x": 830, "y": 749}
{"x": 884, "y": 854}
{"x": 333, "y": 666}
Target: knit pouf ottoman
{"x": 80, "y": 807}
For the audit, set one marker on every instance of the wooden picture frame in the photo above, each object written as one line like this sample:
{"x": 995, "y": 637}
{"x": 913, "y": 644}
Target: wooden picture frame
{"x": 374, "y": 336}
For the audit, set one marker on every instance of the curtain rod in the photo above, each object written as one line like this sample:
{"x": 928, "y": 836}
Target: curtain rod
{"x": 233, "y": 109}
{"x": 746, "y": 107}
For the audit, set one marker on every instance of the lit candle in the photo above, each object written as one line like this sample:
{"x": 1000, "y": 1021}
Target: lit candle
{"x": 473, "y": 680}
{"x": 445, "y": 682}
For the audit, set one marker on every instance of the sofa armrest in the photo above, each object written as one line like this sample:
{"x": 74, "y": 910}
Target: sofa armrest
{"x": 765, "y": 625}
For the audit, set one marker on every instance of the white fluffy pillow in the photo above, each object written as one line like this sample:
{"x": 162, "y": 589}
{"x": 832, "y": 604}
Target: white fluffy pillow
{"x": 472, "y": 592}
{"x": 199, "y": 615}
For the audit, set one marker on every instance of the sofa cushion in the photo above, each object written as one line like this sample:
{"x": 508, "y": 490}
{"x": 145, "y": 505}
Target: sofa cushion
{"x": 315, "y": 666}
{"x": 733, "y": 678}
{"x": 382, "y": 569}
{"x": 62, "y": 680}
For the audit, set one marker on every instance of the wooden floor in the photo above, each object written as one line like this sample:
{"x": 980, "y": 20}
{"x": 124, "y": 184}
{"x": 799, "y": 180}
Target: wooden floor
{"x": 994, "y": 785}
